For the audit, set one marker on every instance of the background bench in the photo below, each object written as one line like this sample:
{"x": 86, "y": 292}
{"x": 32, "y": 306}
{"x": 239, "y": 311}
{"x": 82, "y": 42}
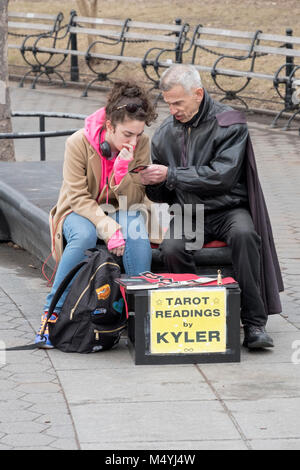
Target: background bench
{"x": 244, "y": 56}
{"x": 234, "y": 60}
{"x": 48, "y": 28}
{"x": 103, "y": 58}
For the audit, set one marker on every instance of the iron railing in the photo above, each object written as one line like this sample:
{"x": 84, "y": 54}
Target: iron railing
{"x": 42, "y": 134}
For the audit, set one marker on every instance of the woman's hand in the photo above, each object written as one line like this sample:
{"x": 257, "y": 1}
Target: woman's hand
{"x": 126, "y": 152}
{"x": 119, "y": 251}
{"x": 116, "y": 244}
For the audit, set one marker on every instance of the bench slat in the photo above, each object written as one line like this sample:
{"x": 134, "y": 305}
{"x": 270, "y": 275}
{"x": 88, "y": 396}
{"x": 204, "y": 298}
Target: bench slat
{"x": 95, "y": 32}
{"x": 116, "y": 34}
{"x": 105, "y": 21}
{"x": 226, "y": 32}
{"x": 40, "y": 16}
{"x": 278, "y": 51}
{"x": 118, "y": 58}
{"x": 222, "y": 44}
{"x": 131, "y": 24}
{"x": 160, "y": 26}
{"x": 248, "y": 35}
{"x": 237, "y": 73}
{"x": 35, "y": 26}
{"x": 150, "y": 37}
{"x": 53, "y": 50}
{"x": 94, "y": 55}
{"x": 246, "y": 47}
{"x": 279, "y": 38}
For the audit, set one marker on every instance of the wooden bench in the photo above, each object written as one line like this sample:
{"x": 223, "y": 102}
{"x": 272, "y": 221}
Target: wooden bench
{"x": 249, "y": 54}
{"x": 224, "y": 54}
{"x": 48, "y": 28}
{"x": 116, "y": 36}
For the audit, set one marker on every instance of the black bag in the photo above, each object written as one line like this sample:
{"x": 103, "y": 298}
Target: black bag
{"x": 93, "y": 315}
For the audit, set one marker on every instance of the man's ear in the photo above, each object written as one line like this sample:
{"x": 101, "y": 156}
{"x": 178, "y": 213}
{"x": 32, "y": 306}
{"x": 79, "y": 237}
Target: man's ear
{"x": 199, "y": 92}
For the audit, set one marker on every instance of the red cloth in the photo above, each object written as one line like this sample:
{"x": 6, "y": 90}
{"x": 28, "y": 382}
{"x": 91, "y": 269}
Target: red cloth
{"x": 213, "y": 244}
{"x": 188, "y": 277}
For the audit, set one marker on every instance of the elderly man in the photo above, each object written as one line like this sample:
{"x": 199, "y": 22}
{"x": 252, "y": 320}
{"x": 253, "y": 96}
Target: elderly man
{"x": 202, "y": 154}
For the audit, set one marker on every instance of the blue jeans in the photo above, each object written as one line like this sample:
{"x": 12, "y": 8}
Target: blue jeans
{"x": 80, "y": 235}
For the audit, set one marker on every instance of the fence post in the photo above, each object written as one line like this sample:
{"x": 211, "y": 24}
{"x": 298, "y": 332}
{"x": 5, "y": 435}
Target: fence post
{"x": 42, "y": 139}
{"x": 74, "y": 58}
{"x": 289, "y": 69}
{"x": 178, "y": 53}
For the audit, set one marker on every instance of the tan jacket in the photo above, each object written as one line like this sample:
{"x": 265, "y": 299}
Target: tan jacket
{"x": 80, "y": 189}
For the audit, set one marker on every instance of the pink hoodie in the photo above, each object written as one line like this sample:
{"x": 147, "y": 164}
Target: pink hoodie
{"x": 93, "y": 126}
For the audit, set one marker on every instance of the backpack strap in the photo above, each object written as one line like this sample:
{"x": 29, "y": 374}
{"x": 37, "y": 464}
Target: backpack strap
{"x": 55, "y": 299}
{"x": 60, "y": 290}
{"x": 122, "y": 289}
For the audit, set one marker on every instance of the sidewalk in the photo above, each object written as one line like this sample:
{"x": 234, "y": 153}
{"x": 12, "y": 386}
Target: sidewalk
{"x": 51, "y": 400}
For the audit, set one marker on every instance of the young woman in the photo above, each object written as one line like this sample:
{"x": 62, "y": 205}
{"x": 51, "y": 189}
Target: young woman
{"x": 97, "y": 165}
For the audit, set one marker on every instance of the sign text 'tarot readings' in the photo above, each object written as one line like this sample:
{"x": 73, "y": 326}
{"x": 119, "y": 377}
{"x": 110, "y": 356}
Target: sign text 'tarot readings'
{"x": 188, "y": 321}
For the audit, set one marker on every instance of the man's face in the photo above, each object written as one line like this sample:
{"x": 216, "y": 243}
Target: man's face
{"x": 183, "y": 106}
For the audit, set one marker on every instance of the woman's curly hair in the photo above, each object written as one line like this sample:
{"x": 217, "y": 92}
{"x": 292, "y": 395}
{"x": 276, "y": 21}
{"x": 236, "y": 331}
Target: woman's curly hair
{"x": 125, "y": 92}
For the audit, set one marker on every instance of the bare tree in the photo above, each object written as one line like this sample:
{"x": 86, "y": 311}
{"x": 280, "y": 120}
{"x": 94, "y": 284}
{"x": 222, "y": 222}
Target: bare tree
{"x": 6, "y": 146}
{"x": 88, "y": 8}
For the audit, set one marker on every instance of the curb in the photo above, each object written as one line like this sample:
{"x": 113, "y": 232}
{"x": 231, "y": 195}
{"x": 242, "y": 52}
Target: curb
{"x": 26, "y": 224}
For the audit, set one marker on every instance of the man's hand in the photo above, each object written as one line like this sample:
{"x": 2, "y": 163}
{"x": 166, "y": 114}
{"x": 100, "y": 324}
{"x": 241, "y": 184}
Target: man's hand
{"x": 154, "y": 174}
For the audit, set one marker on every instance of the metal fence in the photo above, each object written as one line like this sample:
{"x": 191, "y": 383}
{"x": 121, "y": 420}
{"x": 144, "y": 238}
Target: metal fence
{"x": 42, "y": 134}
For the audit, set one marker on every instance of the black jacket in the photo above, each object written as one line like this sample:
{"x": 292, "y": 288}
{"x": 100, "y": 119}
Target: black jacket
{"x": 205, "y": 160}
{"x": 220, "y": 172}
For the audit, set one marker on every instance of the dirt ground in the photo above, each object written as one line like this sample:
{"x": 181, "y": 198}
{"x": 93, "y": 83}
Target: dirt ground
{"x": 247, "y": 15}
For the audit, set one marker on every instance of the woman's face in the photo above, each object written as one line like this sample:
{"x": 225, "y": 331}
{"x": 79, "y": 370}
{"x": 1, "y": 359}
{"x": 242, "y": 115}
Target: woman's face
{"x": 127, "y": 132}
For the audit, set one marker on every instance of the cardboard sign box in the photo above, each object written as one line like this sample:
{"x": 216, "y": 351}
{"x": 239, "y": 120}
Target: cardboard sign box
{"x": 185, "y": 325}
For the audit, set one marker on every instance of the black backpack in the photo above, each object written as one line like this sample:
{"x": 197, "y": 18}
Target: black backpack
{"x": 93, "y": 315}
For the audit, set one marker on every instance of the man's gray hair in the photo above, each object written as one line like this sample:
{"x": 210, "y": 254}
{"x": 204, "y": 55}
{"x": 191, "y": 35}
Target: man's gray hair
{"x": 180, "y": 74}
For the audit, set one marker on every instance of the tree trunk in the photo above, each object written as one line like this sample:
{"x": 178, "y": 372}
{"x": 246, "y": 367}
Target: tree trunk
{"x": 6, "y": 146}
{"x": 89, "y": 9}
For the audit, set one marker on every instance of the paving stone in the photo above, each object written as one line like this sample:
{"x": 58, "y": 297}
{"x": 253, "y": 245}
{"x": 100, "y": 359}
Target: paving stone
{"x": 14, "y": 415}
{"x": 145, "y": 384}
{"x": 267, "y": 418}
{"x": 275, "y": 444}
{"x": 253, "y": 381}
{"x": 38, "y": 387}
{"x": 22, "y": 427}
{"x": 64, "y": 444}
{"x": 33, "y": 440}
{"x": 193, "y": 444}
{"x": 158, "y": 421}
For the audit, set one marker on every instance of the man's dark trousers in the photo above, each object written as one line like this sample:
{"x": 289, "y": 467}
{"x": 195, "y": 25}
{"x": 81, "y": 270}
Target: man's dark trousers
{"x": 235, "y": 227}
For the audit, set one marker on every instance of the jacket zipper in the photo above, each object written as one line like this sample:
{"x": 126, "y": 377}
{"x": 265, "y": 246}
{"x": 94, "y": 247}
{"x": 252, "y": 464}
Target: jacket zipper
{"x": 187, "y": 145}
{"x": 87, "y": 287}
{"x": 99, "y": 332}
{"x": 186, "y": 141}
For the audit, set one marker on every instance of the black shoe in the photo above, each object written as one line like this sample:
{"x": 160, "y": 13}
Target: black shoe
{"x": 257, "y": 337}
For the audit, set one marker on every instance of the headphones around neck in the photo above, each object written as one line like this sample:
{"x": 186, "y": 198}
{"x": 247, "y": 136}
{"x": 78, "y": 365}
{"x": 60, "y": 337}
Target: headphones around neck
{"x": 104, "y": 147}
